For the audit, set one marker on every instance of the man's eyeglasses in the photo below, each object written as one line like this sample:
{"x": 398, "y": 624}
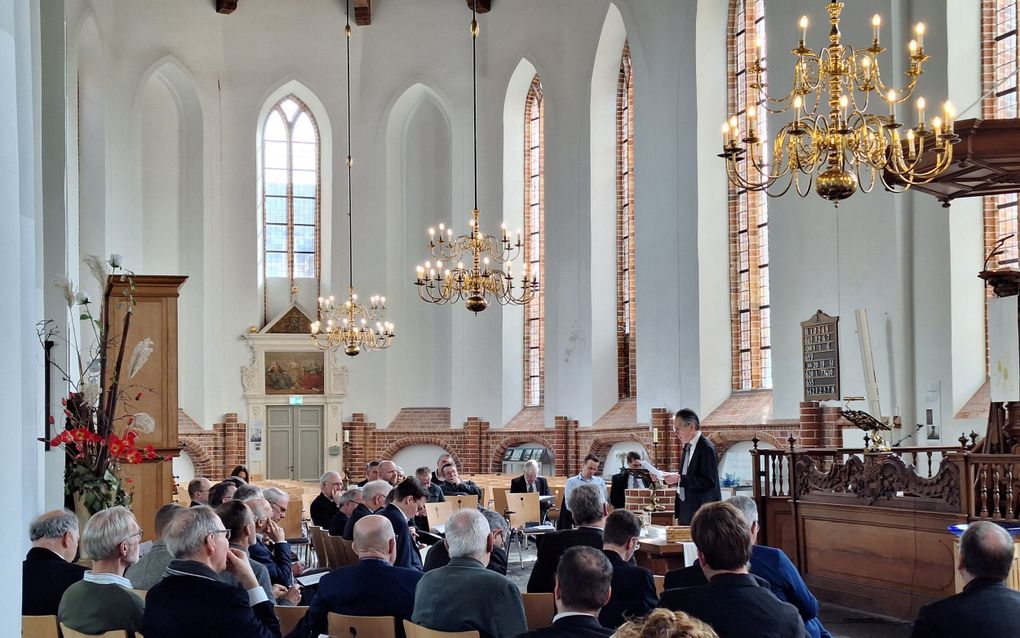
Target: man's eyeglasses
{"x": 225, "y": 532}
{"x": 138, "y": 534}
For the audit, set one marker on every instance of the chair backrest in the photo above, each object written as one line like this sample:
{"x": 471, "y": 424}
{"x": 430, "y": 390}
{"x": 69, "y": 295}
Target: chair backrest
{"x": 554, "y": 513}
{"x": 330, "y": 547}
{"x": 295, "y": 512}
{"x": 39, "y": 627}
{"x": 316, "y": 533}
{"x": 289, "y": 617}
{"x": 466, "y": 501}
{"x": 524, "y": 507}
{"x": 660, "y": 584}
{"x": 539, "y": 609}
{"x": 71, "y": 633}
{"x": 343, "y": 626}
{"x": 417, "y": 631}
{"x": 345, "y": 552}
{"x": 438, "y": 513}
{"x": 499, "y": 502}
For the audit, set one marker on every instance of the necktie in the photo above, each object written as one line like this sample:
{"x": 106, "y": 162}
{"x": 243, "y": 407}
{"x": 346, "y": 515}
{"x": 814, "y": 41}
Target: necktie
{"x": 531, "y": 487}
{"x": 683, "y": 470}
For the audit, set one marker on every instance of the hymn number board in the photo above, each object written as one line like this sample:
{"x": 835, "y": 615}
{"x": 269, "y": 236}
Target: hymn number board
{"x": 820, "y": 338}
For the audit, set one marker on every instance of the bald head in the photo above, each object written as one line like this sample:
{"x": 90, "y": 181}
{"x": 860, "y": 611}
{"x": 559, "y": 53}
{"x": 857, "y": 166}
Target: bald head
{"x": 388, "y": 471}
{"x": 374, "y": 538}
{"x": 986, "y": 551}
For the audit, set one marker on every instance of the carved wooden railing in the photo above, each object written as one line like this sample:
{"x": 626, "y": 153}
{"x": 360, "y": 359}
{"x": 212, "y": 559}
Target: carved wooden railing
{"x": 994, "y": 482}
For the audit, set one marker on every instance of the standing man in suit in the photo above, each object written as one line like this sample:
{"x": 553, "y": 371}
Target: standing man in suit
{"x": 530, "y": 481}
{"x": 324, "y": 506}
{"x": 588, "y": 502}
{"x": 582, "y": 588}
{"x": 633, "y": 587}
{"x": 191, "y": 601}
{"x": 624, "y": 480}
{"x": 48, "y": 569}
{"x": 585, "y": 477}
{"x": 985, "y": 607}
{"x": 403, "y": 502}
{"x": 735, "y": 603}
{"x": 370, "y": 587}
{"x": 698, "y": 482}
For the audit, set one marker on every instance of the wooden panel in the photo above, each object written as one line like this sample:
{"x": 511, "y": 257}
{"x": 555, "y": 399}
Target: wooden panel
{"x": 151, "y": 487}
{"x": 279, "y": 441}
{"x": 781, "y": 527}
{"x": 308, "y": 452}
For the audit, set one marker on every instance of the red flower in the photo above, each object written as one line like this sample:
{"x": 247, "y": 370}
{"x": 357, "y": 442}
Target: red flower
{"x": 130, "y": 436}
{"x": 116, "y": 446}
{"x": 139, "y": 396}
{"x": 150, "y": 452}
{"x": 133, "y": 456}
{"x": 80, "y": 434}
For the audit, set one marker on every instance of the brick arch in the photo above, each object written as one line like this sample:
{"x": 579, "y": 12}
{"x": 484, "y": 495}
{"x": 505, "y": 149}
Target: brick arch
{"x": 723, "y": 440}
{"x": 601, "y": 445}
{"x": 200, "y": 457}
{"x": 419, "y": 439}
{"x": 497, "y": 452}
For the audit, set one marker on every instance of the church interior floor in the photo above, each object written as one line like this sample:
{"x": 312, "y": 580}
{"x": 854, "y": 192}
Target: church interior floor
{"x": 840, "y": 621}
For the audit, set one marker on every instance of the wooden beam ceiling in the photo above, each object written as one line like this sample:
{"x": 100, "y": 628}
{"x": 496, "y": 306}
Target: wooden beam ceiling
{"x": 226, "y": 7}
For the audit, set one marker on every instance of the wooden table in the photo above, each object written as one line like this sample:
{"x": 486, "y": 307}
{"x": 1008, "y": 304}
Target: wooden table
{"x": 656, "y": 554}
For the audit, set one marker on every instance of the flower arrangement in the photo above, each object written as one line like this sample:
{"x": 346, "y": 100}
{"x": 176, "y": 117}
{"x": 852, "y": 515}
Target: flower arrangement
{"x": 95, "y": 439}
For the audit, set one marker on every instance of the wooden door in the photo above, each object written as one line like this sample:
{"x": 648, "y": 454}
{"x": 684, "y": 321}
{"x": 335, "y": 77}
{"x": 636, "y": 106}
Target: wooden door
{"x": 294, "y": 449}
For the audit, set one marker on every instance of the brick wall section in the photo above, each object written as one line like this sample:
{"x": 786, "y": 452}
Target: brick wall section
{"x": 637, "y": 500}
{"x": 422, "y": 419}
{"x": 217, "y": 451}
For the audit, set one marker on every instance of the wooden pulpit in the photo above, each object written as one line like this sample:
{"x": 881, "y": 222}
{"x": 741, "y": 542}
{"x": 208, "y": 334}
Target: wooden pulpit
{"x": 153, "y": 389}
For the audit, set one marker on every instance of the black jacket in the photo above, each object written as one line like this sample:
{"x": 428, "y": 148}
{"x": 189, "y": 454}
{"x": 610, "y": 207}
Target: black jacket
{"x": 360, "y": 512}
{"x": 338, "y": 523}
{"x": 701, "y": 483}
{"x": 543, "y": 575}
{"x": 322, "y": 510}
{"x": 571, "y": 627}
{"x": 44, "y": 578}
{"x": 439, "y": 556}
{"x": 618, "y": 487}
{"x": 984, "y": 608}
{"x": 737, "y": 606}
{"x": 633, "y": 592}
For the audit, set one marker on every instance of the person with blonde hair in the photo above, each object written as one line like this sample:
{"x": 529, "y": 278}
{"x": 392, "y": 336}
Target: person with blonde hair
{"x": 663, "y": 623}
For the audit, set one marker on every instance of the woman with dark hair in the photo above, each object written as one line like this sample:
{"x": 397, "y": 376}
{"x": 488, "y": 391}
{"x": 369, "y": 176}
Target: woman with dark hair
{"x": 222, "y": 491}
{"x": 241, "y": 472}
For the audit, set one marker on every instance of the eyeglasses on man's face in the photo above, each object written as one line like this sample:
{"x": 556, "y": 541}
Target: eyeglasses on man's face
{"x": 225, "y": 532}
{"x": 137, "y": 535}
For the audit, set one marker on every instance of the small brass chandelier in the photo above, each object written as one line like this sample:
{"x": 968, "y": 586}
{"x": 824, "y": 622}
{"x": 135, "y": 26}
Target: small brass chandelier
{"x": 487, "y": 274}
{"x": 348, "y": 324}
{"x": 847, "y": 146}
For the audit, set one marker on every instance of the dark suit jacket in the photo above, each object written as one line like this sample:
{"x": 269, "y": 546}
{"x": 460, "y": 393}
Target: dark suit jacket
{"x": 617, "y": 495}
{"x": 322, "y": 510}
{"x": 464, "y": 488}
{"x": 772, "y": 565}
{"x": 44, "y": 578}
{"x": 737, "y": 606}
{"x": 370, "y": 587}
{"x": 633, "y": 592}
{"x": 277, "y": 561}
{"x": 571, "y": 627}
{"x": 985, "y": 607}
{"x": 360, "y": 512}
{"x": 407, "y": 550}
{"x": 435, "y": 493}
{"x": 439, "y": 556}
{"x": 520, "y": 486}
{"x": 701, "y": 483}
{"x": 191, "y": 602}
{"x": 338, "y": 523}
{"x": 543, "y": 575}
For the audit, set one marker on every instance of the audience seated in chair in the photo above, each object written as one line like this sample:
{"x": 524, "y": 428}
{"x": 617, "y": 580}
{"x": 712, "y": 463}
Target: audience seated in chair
{"x": 324, "y": 506}
{"x": 48, "y": 570}
{"x": 238, "y": 518}
{"x": 371, "y": 587}
{"x": 403, "y": 502}
{"x": 453, "y": 485}
{"x": 985, "y": 607}
{"x": 583, "y": 579}
{"x": 768, "y": 563}
{"x": 439, "y": 554}
{"x": 373, "y": 499}
{"x": 735, "y": 603}
{"x": 272, "y": 549}
{"x": 437, "y": 474}
{"x": 530, "y": 481}
{"x": 424, "y": 476}
{"x": 149, "y": 569}
{"x": 191, "y": 602}
{"x": 198, "y": 491}
{"x": 103, "y": 600}
{"x": 247, "y": 492}
{"x": 222, "y": 491}
{"x": 663, "y": 623}
{"x": 633, "y": 587}
{"x": 371, "y": 474}
{"x": 349, "y": 500}
{"x": 588, "y": 504}
{"x": 464, "y": 596}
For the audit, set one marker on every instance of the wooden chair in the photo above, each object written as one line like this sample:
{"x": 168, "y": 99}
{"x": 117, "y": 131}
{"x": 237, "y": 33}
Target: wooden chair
{"x": 499, "y": 502}
{"x": 524, "y": 508}
{"x": 39, "y": 627}
{"x": 71, "y": 633}
{"x": 660, "y": 584}
{"x": 539, "y": 609}
{"x": 316, "y": 534}
{"x": 417, "y": 631}
{"x": 343, "y": 626}
{"x": 289, "y": 617}
{"x": 346, "y": 554}
{"x": 329, "y": 548}
{"x": 463, "y": 502}
{"x": 438, "y": 513}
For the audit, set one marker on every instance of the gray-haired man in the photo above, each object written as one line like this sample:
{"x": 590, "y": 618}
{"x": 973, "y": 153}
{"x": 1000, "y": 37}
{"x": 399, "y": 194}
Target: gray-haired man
{"x": 47, "y": 571}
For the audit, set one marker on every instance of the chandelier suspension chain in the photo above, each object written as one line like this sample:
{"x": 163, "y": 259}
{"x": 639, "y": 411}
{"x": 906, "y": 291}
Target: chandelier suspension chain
{"x": 350, "y": 160}
{"x": 474, "y": 94}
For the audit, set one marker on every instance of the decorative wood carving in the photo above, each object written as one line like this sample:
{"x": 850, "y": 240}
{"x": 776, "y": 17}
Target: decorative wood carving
{"x": 363, "y": 12}
{"x": 226, "y": 7}
{"x": 481, "y": 6}
{"x": 294, "y": 321}
{"x": 876, "y": 477}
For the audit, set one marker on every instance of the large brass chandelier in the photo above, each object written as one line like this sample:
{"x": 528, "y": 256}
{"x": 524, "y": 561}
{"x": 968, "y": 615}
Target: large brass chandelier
{"x": 349, "y": 325}
{"x": 486, "y": 275}
{"x": 833, "y": 139}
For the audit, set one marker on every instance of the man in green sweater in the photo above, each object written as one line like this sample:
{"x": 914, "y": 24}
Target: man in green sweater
{"x": 103, "y": 601}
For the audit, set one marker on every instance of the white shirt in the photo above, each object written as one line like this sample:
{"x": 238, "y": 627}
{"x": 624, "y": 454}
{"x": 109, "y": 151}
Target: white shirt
{"x": 577, "y": 481}
{"x": 687, "y": 462}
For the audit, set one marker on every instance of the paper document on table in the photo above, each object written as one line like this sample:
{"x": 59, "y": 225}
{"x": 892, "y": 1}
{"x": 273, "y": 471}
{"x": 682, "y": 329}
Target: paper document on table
{"x": 656, "y": 473}
{"x": 312, "y": 579}
{"x": 548, "y": 499}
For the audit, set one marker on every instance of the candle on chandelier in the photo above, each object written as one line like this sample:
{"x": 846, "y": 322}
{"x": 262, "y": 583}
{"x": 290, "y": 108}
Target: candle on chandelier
{"x": 803, "y": 30}
{"x": 910, "y": 142}
{"x": 891, "y": 97}
{"x": 920, "y": 112}
{"x": 950, "y": 112}
{"x": 919, "y": 29}
{"x": 876, "y": 23}
{"x": 936, "y": 123}
{"x": 843, "y": 102}
{"x": 655, "y": 435}
{"x": 347, "y": 436}
{"x": 315, "y": 327}
{"x": 912, "y": 47}
{"x": 798, "y": 103}
{"x": 725, "y": 133}
{"x": 734, "y": 129}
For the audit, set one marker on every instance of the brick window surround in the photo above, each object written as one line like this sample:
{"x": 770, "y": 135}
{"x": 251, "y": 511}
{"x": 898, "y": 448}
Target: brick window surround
{"x": 289, "y": 207}
{"x": 748, "y": 216}
{"x": 534, "y": 240}
{"x": 626, "y": 308}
